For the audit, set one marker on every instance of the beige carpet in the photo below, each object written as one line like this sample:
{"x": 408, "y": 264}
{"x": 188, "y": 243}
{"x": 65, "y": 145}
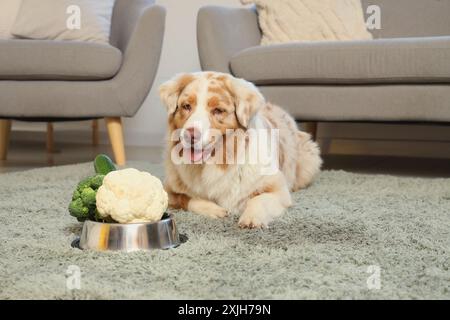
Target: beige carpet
{"x": 322, "y": 248}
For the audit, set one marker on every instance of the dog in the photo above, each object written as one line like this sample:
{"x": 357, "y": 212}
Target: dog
{"x": 206, "y": 108}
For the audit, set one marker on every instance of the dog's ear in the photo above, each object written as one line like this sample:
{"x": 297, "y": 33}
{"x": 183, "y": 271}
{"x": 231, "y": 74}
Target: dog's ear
{"x": 247, "y": 99}
{"x": 170, "y": 91}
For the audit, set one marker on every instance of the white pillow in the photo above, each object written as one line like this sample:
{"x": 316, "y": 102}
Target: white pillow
{"x": 8, "y": 13}
{"x": 50, "y": 20}
{"x": 310, "y": 20}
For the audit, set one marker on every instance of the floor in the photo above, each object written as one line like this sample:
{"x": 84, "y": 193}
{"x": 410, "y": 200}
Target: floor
{"x": 29, "y": 155}
{"x": 348, "y": 236}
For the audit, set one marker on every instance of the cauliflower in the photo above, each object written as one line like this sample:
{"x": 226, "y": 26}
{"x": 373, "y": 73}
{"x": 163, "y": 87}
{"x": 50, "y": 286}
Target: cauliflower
{"x": 130, "y": 196}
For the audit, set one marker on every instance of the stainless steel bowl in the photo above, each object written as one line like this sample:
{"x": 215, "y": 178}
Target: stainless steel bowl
{"x": 100, "y": 236}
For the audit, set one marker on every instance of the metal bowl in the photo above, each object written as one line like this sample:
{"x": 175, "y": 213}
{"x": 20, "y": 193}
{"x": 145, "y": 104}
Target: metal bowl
{"x": 100, "y": 236}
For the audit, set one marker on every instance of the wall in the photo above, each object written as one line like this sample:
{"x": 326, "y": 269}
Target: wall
{"x": 180, "y": 55}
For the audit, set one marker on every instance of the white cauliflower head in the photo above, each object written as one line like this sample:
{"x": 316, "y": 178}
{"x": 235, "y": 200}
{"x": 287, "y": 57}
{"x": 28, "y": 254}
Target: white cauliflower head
{"x": 130, "y": 196}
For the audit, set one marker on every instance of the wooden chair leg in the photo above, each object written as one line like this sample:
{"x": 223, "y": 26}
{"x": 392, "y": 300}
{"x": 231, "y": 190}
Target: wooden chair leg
{"x": 5, "y": 130}
{"x": 95, "y": 134}
{"x": 50, "y": 143}
{"x": 311, "y": 128}
{"x": 115, "y": 132}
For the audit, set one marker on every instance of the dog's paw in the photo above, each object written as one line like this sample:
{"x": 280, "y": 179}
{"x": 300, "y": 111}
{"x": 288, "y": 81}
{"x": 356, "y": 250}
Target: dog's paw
{"x": 207, "y": 208}
{"x": 250, "y": 221}
{"x": 217, "y": 213}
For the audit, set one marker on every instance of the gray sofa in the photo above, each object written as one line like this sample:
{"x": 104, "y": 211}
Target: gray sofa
{"x": 67, "y": 80}
{"x": 403, "y": 75}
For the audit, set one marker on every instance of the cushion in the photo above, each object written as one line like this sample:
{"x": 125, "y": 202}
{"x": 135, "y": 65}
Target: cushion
{"x": 402, "y": 60}
{"x": 8, "y": 13}
{"x": 52, "y": 20}
{"x": 310, "y": 20}
{"x": 57, "y": 60}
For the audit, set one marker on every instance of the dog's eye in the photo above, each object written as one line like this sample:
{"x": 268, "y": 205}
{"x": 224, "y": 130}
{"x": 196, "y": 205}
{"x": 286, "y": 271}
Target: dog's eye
{"x": 218, "y": 111}
{"x": 187, "y": 107}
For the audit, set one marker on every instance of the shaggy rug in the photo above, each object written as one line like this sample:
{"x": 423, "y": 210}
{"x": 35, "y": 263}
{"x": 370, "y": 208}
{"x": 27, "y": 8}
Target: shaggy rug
{"x": 349, "y": 236}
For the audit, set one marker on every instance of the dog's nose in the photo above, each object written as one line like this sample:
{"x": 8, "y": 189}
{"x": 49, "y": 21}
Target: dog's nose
{"x": 192, "y": 135}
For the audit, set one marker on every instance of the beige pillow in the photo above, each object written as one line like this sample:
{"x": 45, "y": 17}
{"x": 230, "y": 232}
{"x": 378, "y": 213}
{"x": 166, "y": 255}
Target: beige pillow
{"x": 310, "y": 20}
{"x": 8, "y": 13}
{"x": 51, "y": 20}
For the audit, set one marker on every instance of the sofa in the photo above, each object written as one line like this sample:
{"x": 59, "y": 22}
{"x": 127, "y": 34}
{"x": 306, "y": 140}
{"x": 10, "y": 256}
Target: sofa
{"x": 403, "y": 75}
{"x": 71, "y": 80}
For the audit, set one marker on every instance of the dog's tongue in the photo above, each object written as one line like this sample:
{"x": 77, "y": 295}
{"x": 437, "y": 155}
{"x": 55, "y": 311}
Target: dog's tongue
{"x": 196, "y": 155}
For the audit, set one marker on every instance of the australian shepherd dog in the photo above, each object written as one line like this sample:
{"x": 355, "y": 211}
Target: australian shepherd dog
{"x": 232, "y": 152}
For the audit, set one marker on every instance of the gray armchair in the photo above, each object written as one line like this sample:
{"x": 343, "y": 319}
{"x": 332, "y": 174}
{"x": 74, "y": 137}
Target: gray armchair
{"x": 67, "y": 80}
{"x": 403, "y": 75}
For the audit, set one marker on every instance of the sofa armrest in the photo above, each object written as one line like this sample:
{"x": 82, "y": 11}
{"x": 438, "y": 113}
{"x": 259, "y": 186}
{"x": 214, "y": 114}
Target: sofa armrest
{"x": 137, "y": 29}
{"x": 223, "y": 32}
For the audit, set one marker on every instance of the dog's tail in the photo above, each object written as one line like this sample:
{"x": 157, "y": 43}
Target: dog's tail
{"x": 309, "y": 161}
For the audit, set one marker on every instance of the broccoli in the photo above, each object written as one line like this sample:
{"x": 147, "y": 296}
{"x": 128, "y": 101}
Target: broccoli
{"x": 83, "y": 205}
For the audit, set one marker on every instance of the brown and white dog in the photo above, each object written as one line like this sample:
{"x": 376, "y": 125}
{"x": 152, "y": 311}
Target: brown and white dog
{"x": 203, "y": 109}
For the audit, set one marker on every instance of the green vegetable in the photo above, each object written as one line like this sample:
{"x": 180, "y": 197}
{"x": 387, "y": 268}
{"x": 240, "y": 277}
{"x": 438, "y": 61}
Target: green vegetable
{"x": 77, "y": 209}
{"x": 96, "y": 181}
{"x": 88, "y": 197}
{"x": 103, "y": 164}
{"x": 83, "y": 205}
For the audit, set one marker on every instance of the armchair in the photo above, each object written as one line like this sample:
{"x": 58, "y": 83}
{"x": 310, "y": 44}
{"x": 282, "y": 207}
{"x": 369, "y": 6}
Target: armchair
{"x": 70, "y": 80}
